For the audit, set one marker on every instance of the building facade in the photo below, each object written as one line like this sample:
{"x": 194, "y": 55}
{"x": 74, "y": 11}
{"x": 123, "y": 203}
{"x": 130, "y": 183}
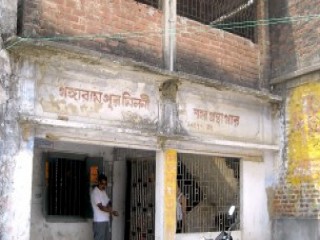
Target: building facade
{"x": 295, "y": 75}
{"x": 159, "y": 96}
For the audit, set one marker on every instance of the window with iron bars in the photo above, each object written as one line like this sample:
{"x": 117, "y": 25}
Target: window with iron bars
{"x": 207, "y": 187}
{"x": 235, "y": 16}
{"x": 68, "y": 183}
{"x": 66, "y": 187}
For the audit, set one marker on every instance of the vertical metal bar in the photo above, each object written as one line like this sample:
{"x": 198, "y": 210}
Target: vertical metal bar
{"x": 65, "y": 189}
{"x": 59, "y": 187}
{"x": 75, "y": 167}
{"x": 50, "y": 187}
{"x": 56, "y": 188}
{"x": 73, "y": 187}
{"x": 78, "y": 185}
{"x": 133, "y": 199}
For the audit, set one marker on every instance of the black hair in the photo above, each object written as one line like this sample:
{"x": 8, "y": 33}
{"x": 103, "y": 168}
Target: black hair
{"x": 102, "y": 177}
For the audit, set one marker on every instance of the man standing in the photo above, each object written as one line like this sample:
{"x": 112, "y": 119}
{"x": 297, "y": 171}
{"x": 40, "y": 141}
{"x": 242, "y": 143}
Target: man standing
{"x": 101, "y": 210}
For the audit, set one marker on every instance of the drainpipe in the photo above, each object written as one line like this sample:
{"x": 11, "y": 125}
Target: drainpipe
{"x": 170, "y": 16}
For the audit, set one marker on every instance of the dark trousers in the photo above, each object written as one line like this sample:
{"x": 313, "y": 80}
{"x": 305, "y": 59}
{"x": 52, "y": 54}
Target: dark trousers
{"x": 101, "y": 231}
{"x": 179, "y": 226}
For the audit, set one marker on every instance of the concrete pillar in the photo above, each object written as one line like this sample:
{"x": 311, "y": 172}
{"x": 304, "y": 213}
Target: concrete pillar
{"x": 16, "y": 217}
{"x": 16, "y": 151}
{"x": 264, "y": 44}
{"x": 166, "y": 182}
{"x": 169, "y": 38}
{"x": 254, "y": 211}
{"x": 8, "y": 17}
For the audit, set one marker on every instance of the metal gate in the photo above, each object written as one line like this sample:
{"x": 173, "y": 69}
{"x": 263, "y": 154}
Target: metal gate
{"x": 140, "y": 211}
{"x": 210, "y": 185}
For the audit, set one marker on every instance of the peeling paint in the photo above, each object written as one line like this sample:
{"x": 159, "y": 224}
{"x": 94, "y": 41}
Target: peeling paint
{"x": 170, "y": 183}
{"x": 26, "y": 132}
{"x": 97, "y": 99}
{"x": 16, "y": 155}
{"x": 52, "y": 137}
{"x": 270, "y": 196}
{"x": 304, "y": 135}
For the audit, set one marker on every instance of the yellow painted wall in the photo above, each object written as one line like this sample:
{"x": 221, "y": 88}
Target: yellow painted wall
{"x": 304, "y": 135}
{"x": 170, "y": 194}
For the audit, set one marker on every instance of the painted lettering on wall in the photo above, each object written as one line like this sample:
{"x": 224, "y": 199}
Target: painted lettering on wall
{"x": 216, "y": 117}
{"x": 304, "y": 135}
{"x": 112, "y": 100}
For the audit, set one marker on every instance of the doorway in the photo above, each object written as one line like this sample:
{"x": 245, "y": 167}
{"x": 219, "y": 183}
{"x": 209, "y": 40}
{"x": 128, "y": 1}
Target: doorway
{"x": 140, "y": 199}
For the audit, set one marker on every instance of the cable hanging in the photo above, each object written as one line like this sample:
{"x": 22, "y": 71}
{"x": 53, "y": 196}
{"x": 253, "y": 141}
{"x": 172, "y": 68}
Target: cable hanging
{"x": 129, "y": 35}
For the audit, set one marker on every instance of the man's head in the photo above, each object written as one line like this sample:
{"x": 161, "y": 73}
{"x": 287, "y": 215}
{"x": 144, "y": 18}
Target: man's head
{"x": 102, "y": 182}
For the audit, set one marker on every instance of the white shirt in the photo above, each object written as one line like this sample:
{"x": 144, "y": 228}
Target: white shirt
{"x": 179, "y": 208}
{"x": 98, "y": 196}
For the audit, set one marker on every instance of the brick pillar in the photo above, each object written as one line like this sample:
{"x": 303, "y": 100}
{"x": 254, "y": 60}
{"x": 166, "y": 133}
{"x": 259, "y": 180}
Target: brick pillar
{"x": 264, "y": 45}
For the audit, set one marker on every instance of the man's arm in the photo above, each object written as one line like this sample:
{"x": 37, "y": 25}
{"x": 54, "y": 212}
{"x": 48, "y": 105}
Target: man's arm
{"x": 107, "y": 209}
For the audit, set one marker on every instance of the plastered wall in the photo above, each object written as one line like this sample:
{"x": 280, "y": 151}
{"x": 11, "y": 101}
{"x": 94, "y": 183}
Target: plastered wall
{"x": 51, "y": 229}
{"x": 298, "y": 195}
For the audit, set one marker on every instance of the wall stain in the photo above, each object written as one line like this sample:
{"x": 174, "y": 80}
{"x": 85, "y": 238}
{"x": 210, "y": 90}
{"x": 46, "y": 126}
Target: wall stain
{"x": 304, "y": 135}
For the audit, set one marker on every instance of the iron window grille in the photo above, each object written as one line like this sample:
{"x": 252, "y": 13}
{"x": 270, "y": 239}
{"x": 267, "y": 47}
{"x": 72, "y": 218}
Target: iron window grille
{"x": 66, "y": 187}
{"x": 234, "y": 16}
{"x": 210, "y": 186}
{"x": 68, "y": 184}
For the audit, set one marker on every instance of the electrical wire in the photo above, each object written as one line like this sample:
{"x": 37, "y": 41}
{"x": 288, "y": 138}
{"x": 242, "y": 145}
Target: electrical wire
{"x": 264, "y": 22}
{"x": 187, "y": 29}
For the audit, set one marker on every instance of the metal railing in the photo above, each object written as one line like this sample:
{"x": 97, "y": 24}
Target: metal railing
{"x": 210, "y": 186}
{"x": 235, "y": 16}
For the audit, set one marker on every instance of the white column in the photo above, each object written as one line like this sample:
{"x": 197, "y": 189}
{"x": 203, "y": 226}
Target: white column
{"x": 169, "y": 38}
{"x": 254, "y": 204}
{"x": 18, "y": 211}
{"x": 159, "y": 221}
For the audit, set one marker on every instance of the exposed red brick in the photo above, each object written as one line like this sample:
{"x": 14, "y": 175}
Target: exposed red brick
{"x": 201, "y": 49}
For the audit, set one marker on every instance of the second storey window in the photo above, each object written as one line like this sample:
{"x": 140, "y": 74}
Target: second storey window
{"x": 235, "y": 16}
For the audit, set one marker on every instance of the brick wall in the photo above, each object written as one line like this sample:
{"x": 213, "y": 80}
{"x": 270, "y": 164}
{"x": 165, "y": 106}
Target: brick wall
{"x": 294, "y": 45}
{"x": 201, "y": 50}
{"x": 138, "y": 24}
{"x": 217, "y": 54}
{"x": 298, "y": 193}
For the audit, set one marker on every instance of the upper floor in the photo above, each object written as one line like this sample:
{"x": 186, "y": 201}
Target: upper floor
{"x": 294, "y": 36}
{"x": 242, "y": 42}
{"x": 192, "y": 36}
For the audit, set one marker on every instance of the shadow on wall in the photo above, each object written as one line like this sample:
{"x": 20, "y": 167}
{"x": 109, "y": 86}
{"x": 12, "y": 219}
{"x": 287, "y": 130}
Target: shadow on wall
{"x": 105, "y": 27}
{"x": 296, "y": 203}
{"x": 283, "y": 48}
{"x": 293, "y": 229}
{"x": 190, "y": 63}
